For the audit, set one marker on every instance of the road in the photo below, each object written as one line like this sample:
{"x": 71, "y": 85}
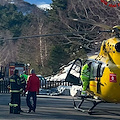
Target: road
{"x": 58, "y": 108}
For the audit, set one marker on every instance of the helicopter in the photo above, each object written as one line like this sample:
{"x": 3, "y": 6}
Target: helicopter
{"x": 104, "y": 81}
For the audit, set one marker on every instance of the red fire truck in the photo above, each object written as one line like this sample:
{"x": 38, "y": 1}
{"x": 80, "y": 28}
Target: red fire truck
{"x": 8, "y": 70}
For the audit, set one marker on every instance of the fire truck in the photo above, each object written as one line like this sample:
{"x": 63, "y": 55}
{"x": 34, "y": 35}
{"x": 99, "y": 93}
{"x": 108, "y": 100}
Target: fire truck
{"x": 8, "y": 70}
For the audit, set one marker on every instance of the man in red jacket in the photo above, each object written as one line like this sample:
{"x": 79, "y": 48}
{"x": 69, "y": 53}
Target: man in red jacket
{"x": 33, "y": 85}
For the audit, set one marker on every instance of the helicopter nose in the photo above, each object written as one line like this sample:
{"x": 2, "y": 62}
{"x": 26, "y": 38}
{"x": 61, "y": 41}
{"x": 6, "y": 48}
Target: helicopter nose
{"x": 117, "y": 47}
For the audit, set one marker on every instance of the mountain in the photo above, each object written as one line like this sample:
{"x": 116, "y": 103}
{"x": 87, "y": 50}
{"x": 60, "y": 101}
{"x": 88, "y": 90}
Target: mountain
{"x": 22, "y": 6}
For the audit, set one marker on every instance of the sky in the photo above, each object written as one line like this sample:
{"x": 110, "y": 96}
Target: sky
{"x": 40, "y": 3}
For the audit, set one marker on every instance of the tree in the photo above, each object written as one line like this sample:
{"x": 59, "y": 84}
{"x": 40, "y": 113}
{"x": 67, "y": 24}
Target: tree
{"x": 83, "y": 16}
{"x": 11, "y": 24}
{"x": 12, "y": 20}
{"x": 58, "y": 56}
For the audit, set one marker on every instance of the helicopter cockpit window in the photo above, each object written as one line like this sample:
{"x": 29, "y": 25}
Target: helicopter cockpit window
{"x": 117, "y": 47}
{"x": 96, "y": 70}
{"x": 93, "y": 70}
{"x": 75, "y": 70}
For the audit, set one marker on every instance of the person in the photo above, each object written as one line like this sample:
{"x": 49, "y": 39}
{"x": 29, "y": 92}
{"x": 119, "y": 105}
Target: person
{"x": 85, "y": 77}
{"x": 23, "y": 77}
{"x": 32, "y": 87}
{"x": 15, "y": 90}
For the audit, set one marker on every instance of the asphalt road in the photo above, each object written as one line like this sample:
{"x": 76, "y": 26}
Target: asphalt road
{"x": 58, "y": 108}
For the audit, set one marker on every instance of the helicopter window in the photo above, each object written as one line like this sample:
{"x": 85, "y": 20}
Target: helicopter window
{"x": 102, "y": 69}
{"x": 93, "y": 70}
{"x": 117, "y": 47}
{"x": 96, "y": 70}
{"x": 75, "y": 70}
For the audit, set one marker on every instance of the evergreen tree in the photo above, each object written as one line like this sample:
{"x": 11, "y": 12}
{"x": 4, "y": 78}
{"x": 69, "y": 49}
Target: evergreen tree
{"x": 56, "y": 6}
{"x": 58, "y": 57}
{"x": 12, "y": 20}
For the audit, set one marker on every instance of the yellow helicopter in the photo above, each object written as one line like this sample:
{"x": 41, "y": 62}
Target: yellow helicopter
{"x": 104, "y": 82}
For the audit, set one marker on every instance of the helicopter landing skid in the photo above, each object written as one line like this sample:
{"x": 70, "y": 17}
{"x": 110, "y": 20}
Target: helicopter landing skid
{"x": 87, "y": 98}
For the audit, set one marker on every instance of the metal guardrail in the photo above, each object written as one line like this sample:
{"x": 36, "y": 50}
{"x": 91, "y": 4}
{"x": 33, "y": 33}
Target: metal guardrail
{"x": 46, "y": 85}
{"x": 3, "y": 86}
{"x": 54, "y": 84}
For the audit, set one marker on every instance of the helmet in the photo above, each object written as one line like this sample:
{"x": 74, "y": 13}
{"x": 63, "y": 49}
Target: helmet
{"x": 32, "y": 71}
{"x": 15, "y": 72}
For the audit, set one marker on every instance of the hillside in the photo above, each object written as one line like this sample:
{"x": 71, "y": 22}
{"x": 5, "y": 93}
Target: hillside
{"x": 20, "y": 4}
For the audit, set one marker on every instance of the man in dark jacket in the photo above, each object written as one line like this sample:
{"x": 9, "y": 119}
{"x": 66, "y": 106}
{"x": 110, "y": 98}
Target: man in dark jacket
{"x": 33, "y": 85}
{"x": 15, "y": 90}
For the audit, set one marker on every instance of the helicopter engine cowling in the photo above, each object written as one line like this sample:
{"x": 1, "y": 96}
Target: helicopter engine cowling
{"x": 110, "y": 49}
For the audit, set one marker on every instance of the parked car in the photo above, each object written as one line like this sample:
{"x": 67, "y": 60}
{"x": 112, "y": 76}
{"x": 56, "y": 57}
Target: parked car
{"x": 42, "y": 80}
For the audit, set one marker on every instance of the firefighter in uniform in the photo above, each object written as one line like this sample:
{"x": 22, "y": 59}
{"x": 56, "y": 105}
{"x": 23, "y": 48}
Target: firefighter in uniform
{"x": 85, "y": 77}
{"x": 15, "y": 90}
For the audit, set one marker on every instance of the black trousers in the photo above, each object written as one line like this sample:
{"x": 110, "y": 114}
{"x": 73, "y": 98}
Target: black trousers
{"x": 15, "y": 99}
{"x": 28, "y": 101}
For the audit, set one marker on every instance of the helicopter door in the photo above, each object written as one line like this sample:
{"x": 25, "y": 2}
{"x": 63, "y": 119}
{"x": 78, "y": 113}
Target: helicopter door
{"x": 98, "y": 77}
{"x": 73, "y": 75}
{"x": 100, "y": 71}
{"x": 96, "y": 72}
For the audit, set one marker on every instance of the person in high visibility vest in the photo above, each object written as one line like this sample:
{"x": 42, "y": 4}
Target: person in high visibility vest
{"x": 85, "y": 77}
{"x": 23, "y": 77}
{"x": 15, "y": 90}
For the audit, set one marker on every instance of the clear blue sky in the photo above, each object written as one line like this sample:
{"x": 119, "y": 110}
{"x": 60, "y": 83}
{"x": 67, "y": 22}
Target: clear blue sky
{"x": 37, "y": 2}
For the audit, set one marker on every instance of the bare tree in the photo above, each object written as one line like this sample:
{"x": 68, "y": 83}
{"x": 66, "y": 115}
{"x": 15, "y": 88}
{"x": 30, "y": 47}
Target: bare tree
{"x": 88, "y": 16}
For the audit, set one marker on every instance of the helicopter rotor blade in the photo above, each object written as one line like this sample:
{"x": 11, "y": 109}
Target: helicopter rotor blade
{"x": 47, "y": 35}
{"x": 56, "y": 34}
{"x": 34, "y": 36}
{"x": 67, "y": 33}
{"x": 92, "y": 23}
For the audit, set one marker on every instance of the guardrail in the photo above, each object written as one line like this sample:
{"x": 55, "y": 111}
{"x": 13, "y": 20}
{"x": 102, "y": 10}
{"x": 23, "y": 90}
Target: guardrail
{"x": 3, "y": 86}
{"x": 46, "y": 85}
{"x": 54, "y": 84}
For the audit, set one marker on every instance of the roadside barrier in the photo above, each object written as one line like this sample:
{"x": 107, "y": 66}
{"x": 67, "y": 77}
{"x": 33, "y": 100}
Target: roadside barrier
{"x": 46, "y": 85}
